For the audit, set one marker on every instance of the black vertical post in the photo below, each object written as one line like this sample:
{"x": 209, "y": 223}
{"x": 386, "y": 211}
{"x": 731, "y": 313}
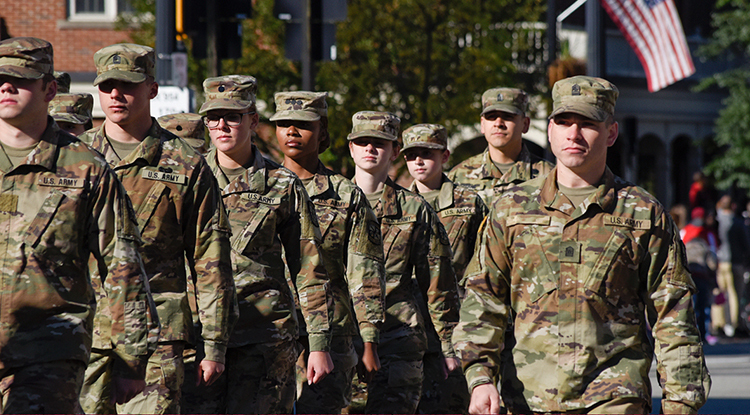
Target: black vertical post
{"x": 551, "y": 32}
{"x": 307, "y": 61}
{"x": 596, "y": 44}
{"x": 212, "y": 40}
{"x": 165, "y": 37}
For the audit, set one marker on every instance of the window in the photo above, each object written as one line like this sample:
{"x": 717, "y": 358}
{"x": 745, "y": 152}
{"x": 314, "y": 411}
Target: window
{"x": 96, "y": 10}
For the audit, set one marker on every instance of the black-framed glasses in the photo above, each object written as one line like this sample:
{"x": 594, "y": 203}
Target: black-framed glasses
{"x": 232, "y": 119}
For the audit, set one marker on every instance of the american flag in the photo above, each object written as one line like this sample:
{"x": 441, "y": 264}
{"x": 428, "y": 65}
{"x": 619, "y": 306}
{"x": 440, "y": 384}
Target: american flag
{"x": 654, "y": 31}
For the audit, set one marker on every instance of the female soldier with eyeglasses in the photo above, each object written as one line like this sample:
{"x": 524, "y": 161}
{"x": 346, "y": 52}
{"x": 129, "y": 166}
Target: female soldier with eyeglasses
{"x": 269, "y": 210}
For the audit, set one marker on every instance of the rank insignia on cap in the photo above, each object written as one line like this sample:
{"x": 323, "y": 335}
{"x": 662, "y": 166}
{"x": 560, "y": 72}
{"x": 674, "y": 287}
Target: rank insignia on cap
{"x": 221, "y": 88}
{"x": 576, "y": 90}
{"x": 500, "y": 97}
{"x": 116, "y": 59}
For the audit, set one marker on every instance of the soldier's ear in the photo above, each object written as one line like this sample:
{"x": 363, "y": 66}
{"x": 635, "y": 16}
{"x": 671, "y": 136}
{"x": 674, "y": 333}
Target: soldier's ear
{"x": 153, "y": 90}
{"x": 446, "y": 155}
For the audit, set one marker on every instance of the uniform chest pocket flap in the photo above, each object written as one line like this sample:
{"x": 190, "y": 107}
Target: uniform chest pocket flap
{"x": 150, "y": 203}
{"x": 531, "y": 253}
{"x": 257, "y": 225}
{"x": 327, "y": 213}
{"x": 397, "y": 230}
{"x": 41, "y": 222}
{"x": 615, "y": 260}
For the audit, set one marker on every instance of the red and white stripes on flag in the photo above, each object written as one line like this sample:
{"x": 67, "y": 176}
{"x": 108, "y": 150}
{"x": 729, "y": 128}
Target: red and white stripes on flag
{"x": 654, "y": 31}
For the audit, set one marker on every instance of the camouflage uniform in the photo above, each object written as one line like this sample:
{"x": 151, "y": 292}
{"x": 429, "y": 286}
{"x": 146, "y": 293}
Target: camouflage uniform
{"x": 418, "y": 271}
{"x": 269, "y": 210}
{"x": 72, "y": 108}
{"x": 181, "y": 217}
{"x": 188, "y": 127}
{"x": 582, "y": 286}
{"x": 352, "y": 252}
{"x": 60, "y": 206}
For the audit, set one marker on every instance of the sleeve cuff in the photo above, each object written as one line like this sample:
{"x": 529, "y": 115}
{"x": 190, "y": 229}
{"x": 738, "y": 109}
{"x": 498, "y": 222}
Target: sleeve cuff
{"x": 319, "y": 342}
{"x": 369, "y": 333}
{"x": 477, "y": 375}
{"x": 215, "y": 352}
{"x": 675, "y": 407}
{"x": 447, "y": 349}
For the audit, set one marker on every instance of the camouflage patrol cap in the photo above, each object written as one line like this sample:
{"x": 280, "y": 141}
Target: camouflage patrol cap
{"x": 591, "y": 97}
{"x": 375, "y": 124}
{"x": 230, "y": 92}
{"x": 300, "y": 106}
{"x": 126, "y": 62}
{"x": 26, "y": 57}
{"x": 63, "y": 82}
{"x": 72, "y": 108}
{"x": 433, "y": 136}
{"x": 184, "y": 125}
{"x": 512, "y": 100}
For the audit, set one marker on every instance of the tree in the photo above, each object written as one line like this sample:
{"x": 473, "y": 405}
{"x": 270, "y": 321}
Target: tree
{"x": 731, "y": 40}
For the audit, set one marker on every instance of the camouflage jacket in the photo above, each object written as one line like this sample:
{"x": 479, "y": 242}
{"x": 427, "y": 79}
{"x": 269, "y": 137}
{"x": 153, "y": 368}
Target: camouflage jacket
{"x": 269, "y": 210}
{"x": 57, "y": 209}
{"x": 180, "y": 216}
{"x": 481, "y": 175}
{"x": 352, "y": 251}
{"x": 582, "y": 286}
{"x": 461, "y": 211}
{"x": 415, "y": 244}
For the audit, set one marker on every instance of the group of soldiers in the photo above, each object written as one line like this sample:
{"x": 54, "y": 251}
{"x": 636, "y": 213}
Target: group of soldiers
{"x": 149, "y": 273}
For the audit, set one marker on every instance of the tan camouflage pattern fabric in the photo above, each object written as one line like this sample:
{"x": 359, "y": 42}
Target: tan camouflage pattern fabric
{"x": 461, "y": 211}
{"x": 334, "y": 392}
{"x": 180, "y": 216}
{"x": 582, "y": 286}
{"x": 375, "y": 124}
{"x": 26, "y": 57}
{"x": 63, "y": 82}
{"x": 433, "y": 136}
{"x": 591, "y": 97}
{"x": 230, "y": 92}
{"x": 481, "y": 175}
{"x": 270, "y": 210}
{"x": 187, "y": 126}
{"x": 42, "y": 388}
{"x": 60, "y": 207}
{"x": 511, "y": 100}
{"x": 164, "y": 378}
{"x": 72, "y": 108}
{"x": 300, "y": 106}
{"x": 125, "y": 62}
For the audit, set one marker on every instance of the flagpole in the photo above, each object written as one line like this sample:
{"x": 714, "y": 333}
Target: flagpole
{"x": 596, "y": 42}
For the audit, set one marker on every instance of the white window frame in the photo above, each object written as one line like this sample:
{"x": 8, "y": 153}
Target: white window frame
{"x": 109, "y": 14}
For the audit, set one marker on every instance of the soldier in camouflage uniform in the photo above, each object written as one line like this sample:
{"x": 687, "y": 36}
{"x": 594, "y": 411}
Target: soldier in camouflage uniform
{"x": 72, "y": 112}
{"x": 507, "y": 160}
{"x": 585, "y": 264}
{"x": 188, "y": 127}
{"x": 270, "y": 213}
{"x": 60, "y": 204}
{"x": 181, "y": 217}
{"x": 420, "y": 283}
{"x": 352, "y": 250}
{"x": 460, "y": 210}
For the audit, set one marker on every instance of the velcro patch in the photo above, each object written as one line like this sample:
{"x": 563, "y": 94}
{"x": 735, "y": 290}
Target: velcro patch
{"x": 8, "y": 203}
{"x": 613, "y": 220}
{"x": 528, "y": 220}
{"x": 164, "y": 176}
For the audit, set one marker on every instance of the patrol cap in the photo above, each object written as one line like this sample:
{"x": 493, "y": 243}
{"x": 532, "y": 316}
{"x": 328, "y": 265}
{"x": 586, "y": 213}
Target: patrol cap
{"x": 72, "y": 108}
{"x": 230, "y": 92}
{"x": 590, "y": 97}
{"x": 433, "y": 136}
{"x": 63, "y": 82}
{"x": 512, "y": 100}
{"x": 26, "y": 57}
{"x": 300, "y": 106}
{"x": 126, "y": 62}
{"x": 184, "y": 125}
{"x": 376, "y": 124}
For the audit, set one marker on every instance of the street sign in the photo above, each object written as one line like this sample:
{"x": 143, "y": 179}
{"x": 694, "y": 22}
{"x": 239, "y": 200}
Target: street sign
{"x": 179, "y": 69}
{"x": 171, "y": 100}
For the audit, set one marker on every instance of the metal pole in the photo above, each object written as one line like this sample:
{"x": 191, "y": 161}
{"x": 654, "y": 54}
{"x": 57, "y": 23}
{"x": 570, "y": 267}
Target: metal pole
{"x": 212, "y": 40}
{"x": 165, "y": 34}
{"x": 596, "y": 43}
{"x": 551, "y": 32}
{"x": 307, "y": 46}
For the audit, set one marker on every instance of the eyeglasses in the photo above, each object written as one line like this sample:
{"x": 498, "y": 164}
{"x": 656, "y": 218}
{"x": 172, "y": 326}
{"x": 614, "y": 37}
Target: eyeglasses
{"x": 232, "y": 119}
{"x": 423, "y": 153}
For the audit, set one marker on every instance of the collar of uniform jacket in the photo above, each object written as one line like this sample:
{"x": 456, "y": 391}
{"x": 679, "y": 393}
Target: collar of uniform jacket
{"x": 45, "y": 152}
{"x": 552, "y": 198}
{"x": 445, "y": 197}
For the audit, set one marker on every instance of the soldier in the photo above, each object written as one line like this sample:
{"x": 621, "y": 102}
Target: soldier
{"x": 585, "y": 264}
{"x": 63, "y": 82}
{"x": 270, "y": 213}
{"x": 188, "y": 127}
{"x": 507, "y": 160}
{"x": 179, "y": 212}
{"x": 417, "y": 264}
{"x": 72, "y": 112}
{"x": 60, "y": 204}
{"x": 460, "y": 210}
{"x": 352, "y": 250}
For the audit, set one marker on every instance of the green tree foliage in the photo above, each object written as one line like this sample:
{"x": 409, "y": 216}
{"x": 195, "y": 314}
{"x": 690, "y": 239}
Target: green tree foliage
{"x": 731, "y": 40}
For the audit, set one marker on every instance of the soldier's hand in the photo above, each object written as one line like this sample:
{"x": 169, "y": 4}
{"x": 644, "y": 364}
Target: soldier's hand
{"x": 208, "y": 372}
{"x": 484, "y": 400}
{"x": 125, "y": 389}
{"x": 449, "y": 365}
{"x": 319, "y": 364}
{"x": 370, "y": 362}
